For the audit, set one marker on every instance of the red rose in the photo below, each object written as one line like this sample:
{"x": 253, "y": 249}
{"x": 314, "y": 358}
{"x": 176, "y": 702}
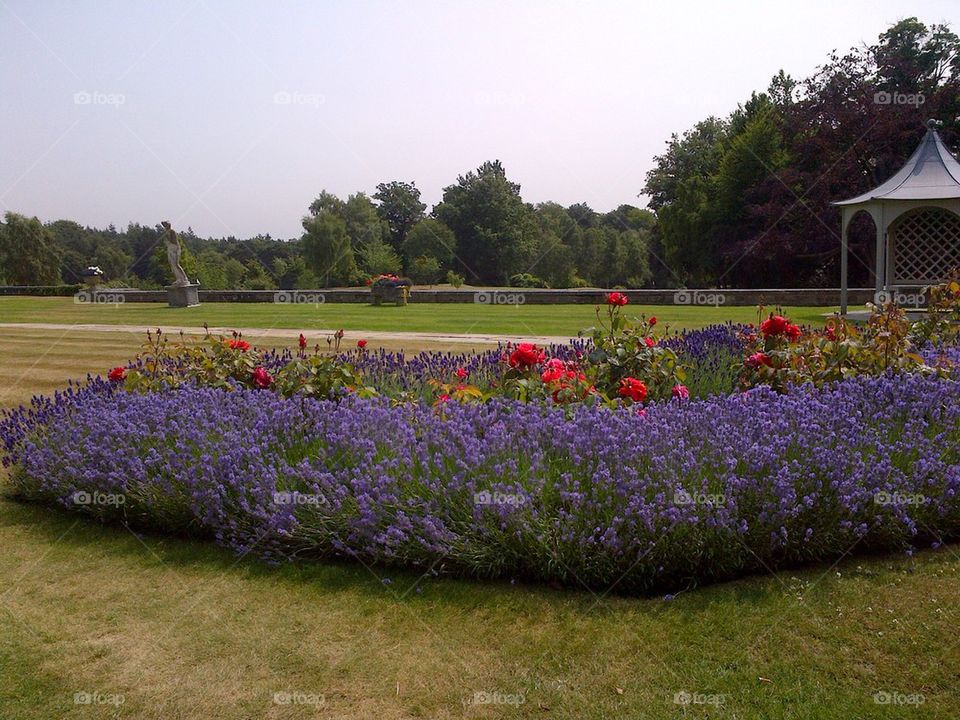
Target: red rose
{"x": 650, "y": 342}
{"x": 443, "y": 398}
{"x": 461, "y": 373}
{"x": 302, "y": 341}
{"x": 680, "y": 392}
{"x": 526, "y": 355}
{"x": 652, "y": 321}
{"x": 361, "y": 344}
{"x": 241, "y": 345}
{"x": 262, "y": 379}
{"x": 758, "y": 359}
{"x": 777, "y": 326}
{"x": 117, "y": 374}
{"x": 634, "y": 389}
{"x": 618, "y": 299}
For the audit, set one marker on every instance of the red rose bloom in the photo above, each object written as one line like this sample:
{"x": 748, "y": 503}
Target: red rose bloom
{"x": 241, "y": 345}
{"x": 650, "y": 342}
{"x": 302, "y": 341}
{"x": 443, "y": 398}
{"x": 652, "y": 321}
{"x": 634, "y": 389}
{"x": 680, "y": 392}
{"x": 261, "y": 378}
{"x": 117, "y": 374}
{"x": 758, "y": 359}
{"x": 777, "y": 326}
{"x": 361, "y": 344}
{"x": 526, "y": 355}
{"x": 461, "y": 373}
{"x": 618, "y": 299}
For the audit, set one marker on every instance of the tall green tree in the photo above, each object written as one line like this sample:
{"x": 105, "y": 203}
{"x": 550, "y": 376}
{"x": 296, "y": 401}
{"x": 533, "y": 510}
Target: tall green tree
{"x": 327, "y": 249}
{"x": 400, "y": 207}
{"x": 27, "y": 252}
{"x": 495, "y": 230}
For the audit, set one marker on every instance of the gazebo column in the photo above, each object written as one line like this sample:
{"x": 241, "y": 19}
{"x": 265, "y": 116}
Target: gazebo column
{"x": 844, "y": 251}
{"x": 880, "y": 273}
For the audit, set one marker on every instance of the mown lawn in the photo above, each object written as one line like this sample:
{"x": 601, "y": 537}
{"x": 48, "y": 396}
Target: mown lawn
{"x": 181, "y": 629}
{"x": 564, "y": 320}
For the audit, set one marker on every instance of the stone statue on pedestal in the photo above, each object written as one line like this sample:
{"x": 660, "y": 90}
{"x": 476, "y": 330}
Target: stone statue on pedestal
{"x": 182, "y": 293}
{"x": 173, "y": 254}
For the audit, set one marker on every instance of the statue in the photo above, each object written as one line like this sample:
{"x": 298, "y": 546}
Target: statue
{"x": 173, "y": 254}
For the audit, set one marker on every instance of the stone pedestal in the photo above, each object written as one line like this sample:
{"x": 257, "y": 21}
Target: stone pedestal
{"x": 183, "y": 295}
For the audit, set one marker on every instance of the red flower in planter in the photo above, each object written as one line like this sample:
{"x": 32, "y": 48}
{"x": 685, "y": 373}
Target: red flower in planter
{"x": 526, "y": 355}
{"x": 758, "y": 359}
{"x": 634, "y": 389}
{"x": 361, "y": 344}
{"x": 777, "y": 326}
{"x": 618, "y": 299}
{"x": 117, "y": 374}
{"x": 241, "y": 345}
{"x": 261, "y": 378}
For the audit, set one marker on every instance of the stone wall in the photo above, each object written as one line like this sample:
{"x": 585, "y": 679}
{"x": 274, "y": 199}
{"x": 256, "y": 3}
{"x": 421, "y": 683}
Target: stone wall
{"x": 499, "y": 296}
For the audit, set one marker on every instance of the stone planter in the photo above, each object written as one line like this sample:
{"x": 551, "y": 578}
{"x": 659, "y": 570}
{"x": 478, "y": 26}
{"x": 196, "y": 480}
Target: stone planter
{"x": 384, "y": 294}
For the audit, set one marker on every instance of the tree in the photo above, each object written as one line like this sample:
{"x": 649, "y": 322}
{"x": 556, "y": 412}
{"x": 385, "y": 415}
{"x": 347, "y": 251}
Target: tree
{"x": 378, "y": 257}
{"x": 495, "y": 230}
{"x": 400, "y": 208}
{"x": 327, "y": 250}
{"x": 27, "y": 253}
{"x": 430, "y": 238}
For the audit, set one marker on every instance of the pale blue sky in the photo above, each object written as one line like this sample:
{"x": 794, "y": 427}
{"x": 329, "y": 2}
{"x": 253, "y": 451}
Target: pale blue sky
{"x": 232, "y": 116}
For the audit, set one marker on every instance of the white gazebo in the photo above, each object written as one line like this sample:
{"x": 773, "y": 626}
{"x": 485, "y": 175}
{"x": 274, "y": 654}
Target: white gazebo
{"x": 917, "y": 217}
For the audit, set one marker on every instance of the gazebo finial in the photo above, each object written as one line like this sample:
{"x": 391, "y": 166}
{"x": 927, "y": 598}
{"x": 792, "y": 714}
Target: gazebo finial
{"x": 933, "y": 123}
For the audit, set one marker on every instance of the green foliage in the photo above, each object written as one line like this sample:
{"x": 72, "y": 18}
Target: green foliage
{"x": 27, "y": 253}
{"x": 430, "y": 238}
{"x": 455, "y": 279}
{"x": 400, "y": 208}
{"x": 327, "y": 249}
{"x": 842, "y": 350}
{"x": 526, "y": 280}
{"x": 425, "y": 270}
{"x": 378, "y": 257}
{"x": 227, "y": 363}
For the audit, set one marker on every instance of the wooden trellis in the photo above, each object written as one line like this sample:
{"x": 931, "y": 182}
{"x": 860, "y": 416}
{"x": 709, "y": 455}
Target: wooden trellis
{"x": 926, "y": 246}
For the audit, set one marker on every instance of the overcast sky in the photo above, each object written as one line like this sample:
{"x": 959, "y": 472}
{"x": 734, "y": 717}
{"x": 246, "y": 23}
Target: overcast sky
{"x": 231, "y": 116}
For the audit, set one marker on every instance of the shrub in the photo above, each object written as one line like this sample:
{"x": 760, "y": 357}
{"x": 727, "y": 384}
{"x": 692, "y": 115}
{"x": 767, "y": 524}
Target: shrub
{"x": 454, "y": 279}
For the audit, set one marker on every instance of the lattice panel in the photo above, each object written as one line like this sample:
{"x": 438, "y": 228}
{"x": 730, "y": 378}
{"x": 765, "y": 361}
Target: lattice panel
{"x": 926, "y": 246}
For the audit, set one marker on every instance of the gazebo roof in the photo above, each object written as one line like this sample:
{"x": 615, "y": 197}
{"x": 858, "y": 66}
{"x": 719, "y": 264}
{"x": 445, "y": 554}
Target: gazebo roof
{"x": 931, "y": 173}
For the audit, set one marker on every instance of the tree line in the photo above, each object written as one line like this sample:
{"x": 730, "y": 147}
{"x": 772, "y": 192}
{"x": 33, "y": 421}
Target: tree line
{"x": 738, "y": 201}
{"x": 745, "y": 200}
{"x": 482, "y": 233}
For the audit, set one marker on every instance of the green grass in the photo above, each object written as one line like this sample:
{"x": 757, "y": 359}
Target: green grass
{"x": 182, "y": 629}
{"x": 434, "y": 317}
